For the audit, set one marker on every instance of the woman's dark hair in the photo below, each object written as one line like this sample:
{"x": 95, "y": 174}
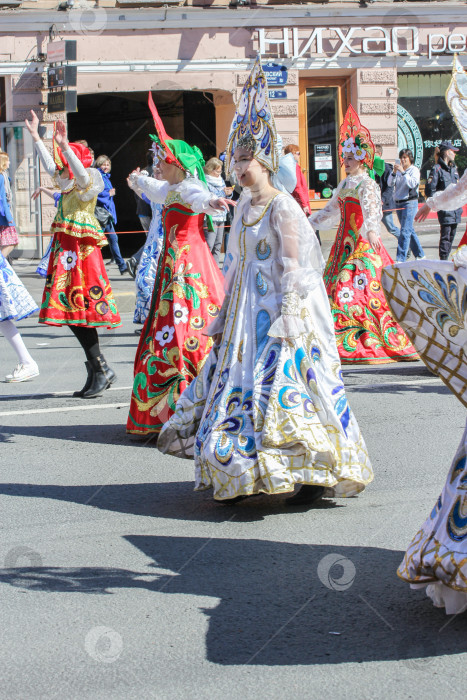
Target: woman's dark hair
{"x": 407, "y": 152}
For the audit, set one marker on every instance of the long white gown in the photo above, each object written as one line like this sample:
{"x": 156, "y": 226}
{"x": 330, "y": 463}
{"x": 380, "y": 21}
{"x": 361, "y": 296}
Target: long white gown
{"x": 269, "y": 408}
{"x": 429, "y": 298}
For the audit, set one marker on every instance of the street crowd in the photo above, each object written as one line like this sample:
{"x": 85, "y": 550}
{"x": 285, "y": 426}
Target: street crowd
{"x": 240, "y": 370}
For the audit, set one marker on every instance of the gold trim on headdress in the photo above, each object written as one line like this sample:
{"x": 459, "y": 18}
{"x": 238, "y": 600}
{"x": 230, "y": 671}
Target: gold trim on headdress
{"x": 456, "y": 97}
{"x": 253, "y": 125}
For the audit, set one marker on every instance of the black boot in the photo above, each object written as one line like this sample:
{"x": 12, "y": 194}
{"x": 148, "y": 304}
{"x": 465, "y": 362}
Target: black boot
{"x": 79, "y": 394}
{"x": 108, "y": 371}
{"x": 99, "y": 381}
{"x": 307, "y": 495}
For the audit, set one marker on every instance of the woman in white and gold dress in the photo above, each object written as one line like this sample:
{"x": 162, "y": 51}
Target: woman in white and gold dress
{"x": 429, "y": 299}
{"x": 269, "y": 408}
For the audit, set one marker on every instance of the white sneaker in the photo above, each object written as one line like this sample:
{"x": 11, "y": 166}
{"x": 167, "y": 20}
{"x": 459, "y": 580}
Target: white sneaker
{"x": 422, "y": 258}
{"x": 22, "y": 373}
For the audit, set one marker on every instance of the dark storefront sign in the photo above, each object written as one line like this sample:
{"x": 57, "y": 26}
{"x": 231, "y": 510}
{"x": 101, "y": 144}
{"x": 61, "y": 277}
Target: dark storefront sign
{"x": 62, "y": 101}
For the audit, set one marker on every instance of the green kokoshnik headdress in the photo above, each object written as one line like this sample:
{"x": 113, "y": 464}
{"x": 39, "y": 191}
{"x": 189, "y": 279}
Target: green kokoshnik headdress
{"x": 178, "y": 152}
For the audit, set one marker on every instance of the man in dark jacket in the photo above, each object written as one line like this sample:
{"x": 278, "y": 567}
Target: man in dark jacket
{"x": 441, "y": 176}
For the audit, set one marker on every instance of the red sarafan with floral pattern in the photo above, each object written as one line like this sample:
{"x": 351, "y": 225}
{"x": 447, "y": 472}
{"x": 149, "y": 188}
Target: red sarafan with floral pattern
{"x": 77, "y": 290}
{"x": 366, "y": 332}
{"x": 188, "y": 294}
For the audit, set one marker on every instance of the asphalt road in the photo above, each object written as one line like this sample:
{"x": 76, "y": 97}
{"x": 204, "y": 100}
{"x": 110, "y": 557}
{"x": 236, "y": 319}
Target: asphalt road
{"x": 118, "y": 581}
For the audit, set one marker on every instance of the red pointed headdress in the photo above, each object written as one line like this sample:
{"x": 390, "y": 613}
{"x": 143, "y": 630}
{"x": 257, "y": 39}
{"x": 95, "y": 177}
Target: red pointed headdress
{"x": 82, "y": 152}
{"x": 355, "y": 138}
{"x": 162, "y": 135}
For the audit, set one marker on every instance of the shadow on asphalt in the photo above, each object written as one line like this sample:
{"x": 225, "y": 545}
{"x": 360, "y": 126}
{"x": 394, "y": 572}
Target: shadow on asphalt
{"x": 174, "y": 500}
{"x": 277, "y": 603}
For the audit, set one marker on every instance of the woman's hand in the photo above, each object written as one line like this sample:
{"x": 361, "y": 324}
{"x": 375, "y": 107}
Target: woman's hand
{"x": 132, "y": 177}
{"x": 374, "y": 240}
{"x": 60, "y": 135}
{"x": 33, "y": 126}
{"x": 422, "y": 212}
{"x": 217, "y": 338}
{"x": 221, "y": 203}
{"x": 112, "y": 192}
{"x": 36, "y": 193}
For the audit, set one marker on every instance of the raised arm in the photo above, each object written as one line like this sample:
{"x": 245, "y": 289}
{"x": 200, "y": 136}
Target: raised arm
{"x": 453, "y": 197}
{"x": 155, "y": 190}
{"x": 370, "y": 202}
{"x": 302, "y": 264}
{"x": 79, "y": 171}
{"x": 330, "y": 215}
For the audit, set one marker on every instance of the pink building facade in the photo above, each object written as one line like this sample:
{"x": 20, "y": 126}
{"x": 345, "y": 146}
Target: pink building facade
{"x": 392, "y": 62}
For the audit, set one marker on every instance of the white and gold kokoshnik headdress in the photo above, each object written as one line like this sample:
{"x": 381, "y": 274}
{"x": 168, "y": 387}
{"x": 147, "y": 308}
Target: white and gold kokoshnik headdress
{"x": 456, "y": 97}
{"x": 253, "y": 125}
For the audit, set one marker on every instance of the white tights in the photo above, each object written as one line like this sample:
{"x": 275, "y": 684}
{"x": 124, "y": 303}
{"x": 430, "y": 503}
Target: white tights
{"x": 13, "y": 336}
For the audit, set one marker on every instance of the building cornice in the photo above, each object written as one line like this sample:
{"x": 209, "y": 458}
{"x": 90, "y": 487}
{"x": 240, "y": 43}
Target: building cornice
{"x": 116, "y": 20}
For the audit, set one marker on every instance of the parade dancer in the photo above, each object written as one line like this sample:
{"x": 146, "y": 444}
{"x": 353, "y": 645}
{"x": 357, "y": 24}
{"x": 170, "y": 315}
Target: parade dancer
{"x": 8, "y": 233}
{"x": 77, "y": 290}
{"x": 15, "y": 304}
{"x": 269, "y": 410}
{"x": 429, "y": 298}
{"x": 366, "y": 332}
{"x": 188, "y": 289}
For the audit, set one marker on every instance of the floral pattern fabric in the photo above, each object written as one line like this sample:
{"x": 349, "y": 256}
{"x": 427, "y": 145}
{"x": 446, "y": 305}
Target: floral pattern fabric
{"x": 187, "y": 297}
{"x": 77, "y": 290}
{"x": 269, "y": 409}
{"x": 366, "y": 332}
{"x": 15, "y": 301}
{"x": 147, "y": 268}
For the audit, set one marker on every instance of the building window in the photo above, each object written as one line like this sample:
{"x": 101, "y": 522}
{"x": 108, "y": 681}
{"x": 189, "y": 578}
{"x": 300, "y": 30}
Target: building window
{"x": 2, "y": 100}
{"x": 424, "y": 109}
{"x": 321, "y": 107}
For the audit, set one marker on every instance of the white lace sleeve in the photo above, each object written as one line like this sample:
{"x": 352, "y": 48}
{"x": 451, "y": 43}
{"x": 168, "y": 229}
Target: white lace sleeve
{"x": 231, "y": 261}
{"x": 330, "y": 215}
{"x": 453, "y": 197}
{"x": 302, "y": 263}
{"x": 155, "y": 190}
{"x": 46, "y": 159}
{"x": 94, "y": 187}
{"x": 460, "y": 256}
{"x": 370, "y": 202}
{"x": 197, "y": 195}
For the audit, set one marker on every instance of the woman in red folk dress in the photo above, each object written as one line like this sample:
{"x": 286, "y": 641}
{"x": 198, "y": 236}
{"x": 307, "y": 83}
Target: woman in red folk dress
{"x": 77, "y": 291}
{"x": 366, "y": 332}
{"x": 188, "y": 291}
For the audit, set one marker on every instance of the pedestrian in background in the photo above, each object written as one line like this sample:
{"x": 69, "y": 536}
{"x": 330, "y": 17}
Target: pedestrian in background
{"x": 443, "y": 174}
{"x": 300, "y": 193}
{"x": 216, "y": 185}
{"x": 8, "y": 234}
{"x": 405, "y": 177}
{"x": 387, "y": 195}
{"x": 105, "y": 211}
